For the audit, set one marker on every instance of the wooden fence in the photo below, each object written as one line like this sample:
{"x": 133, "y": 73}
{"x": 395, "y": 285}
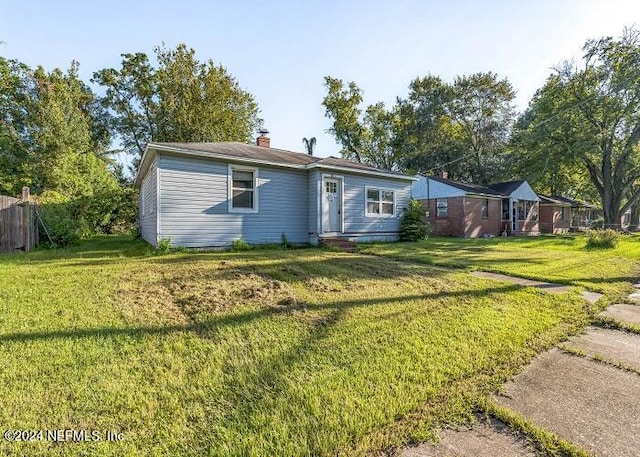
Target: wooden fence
{"x": 18, "y": 223}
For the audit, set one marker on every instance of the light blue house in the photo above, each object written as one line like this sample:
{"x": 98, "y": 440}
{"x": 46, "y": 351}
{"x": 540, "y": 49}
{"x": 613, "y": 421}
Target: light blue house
{"x": 210, "y": 194}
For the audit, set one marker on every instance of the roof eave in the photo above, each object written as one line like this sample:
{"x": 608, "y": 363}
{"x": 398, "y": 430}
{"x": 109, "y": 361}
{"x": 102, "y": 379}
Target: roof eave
{"x": 361, "y": 171}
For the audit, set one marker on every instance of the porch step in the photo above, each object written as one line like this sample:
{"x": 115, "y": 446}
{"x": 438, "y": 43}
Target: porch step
{"x": 341, "y": 243}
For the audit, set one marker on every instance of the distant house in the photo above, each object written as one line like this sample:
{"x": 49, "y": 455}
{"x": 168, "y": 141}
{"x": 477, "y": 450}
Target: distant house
{"x": 582, "y": 215}
{"x": 523, "y": 215}
{"x": 555, "y": 215}
{"x": 470, "y": 210}
{"x": 210, "y": 194}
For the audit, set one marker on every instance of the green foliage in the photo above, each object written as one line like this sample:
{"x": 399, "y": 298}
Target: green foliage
{"x": 52, "y": 132}
{"x": 110, "y": 211}
{"x": 182, "y": 99}
{"x": 602, "y": 239}
{"x": 585, "y": 123}
{"x": 462, "y": 128}
{"x": 414, "y": 226}
{"x": 366, "y": 137}
{"x": 59, "y": 222}
{"x": 164, "y": 246}
{"x": 284, "y": 243}
{"x": 240, "y": 245}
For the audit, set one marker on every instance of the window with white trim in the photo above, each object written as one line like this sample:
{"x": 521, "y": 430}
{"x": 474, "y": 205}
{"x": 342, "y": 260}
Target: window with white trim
{"x": 380, "y": 202}
{"x": 243, "y": 195}
{"x": 442, "y": 207}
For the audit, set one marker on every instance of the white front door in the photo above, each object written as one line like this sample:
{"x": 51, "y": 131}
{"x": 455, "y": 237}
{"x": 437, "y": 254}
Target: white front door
{"x": 331, "y": 206}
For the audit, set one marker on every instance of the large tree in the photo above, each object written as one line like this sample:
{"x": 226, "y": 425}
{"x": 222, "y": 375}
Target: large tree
{"x": 590, "y": 117}
{"x": 180, "y": 99}
{"x": 461, "y": 128}
{"x": 366, "y": 135}
{"x": 52, "y": 132}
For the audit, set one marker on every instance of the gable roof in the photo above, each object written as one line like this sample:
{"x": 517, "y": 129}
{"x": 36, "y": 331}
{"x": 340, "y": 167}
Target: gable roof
{"x": 546, "y": 200}
{"x": 241, "y": 152}
{"x": 467, "y": 187}
{"x": 507, "y": 188}
{"x": 574, "y": 203}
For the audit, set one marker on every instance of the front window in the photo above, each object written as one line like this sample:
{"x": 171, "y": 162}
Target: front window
{"x": 380, "y": 202}
{"x": 442, "y": 207}
{"x": 485, "y": 208}
{"x": 505, "y": 209}
{"x": 527, "y": 209}
{"x": 243, "y": 192}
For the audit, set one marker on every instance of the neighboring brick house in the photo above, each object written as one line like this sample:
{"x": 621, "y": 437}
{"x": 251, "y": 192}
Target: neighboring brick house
{"x": 555, "y": 215}
{"x": 470, "y": 210}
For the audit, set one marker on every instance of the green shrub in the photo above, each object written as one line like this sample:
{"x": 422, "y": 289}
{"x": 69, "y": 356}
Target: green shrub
{"x": 602, "y": 239}
{"x": 164, "y": 246}
{"x": 58, "y": 220}
{"x": 240, "y": 245}
{"x": 414, "y": 226}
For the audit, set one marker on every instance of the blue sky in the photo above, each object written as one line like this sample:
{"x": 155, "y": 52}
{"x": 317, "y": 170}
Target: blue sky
{"x": 281, "y": 50}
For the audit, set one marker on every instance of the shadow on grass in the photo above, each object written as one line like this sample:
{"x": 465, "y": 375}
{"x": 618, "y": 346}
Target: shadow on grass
{"x": 208, "y": 327}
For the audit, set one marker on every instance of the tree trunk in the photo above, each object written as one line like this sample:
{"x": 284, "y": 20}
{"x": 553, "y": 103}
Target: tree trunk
{"x": 612, "y": 216}
{"x": 635, "y": 217}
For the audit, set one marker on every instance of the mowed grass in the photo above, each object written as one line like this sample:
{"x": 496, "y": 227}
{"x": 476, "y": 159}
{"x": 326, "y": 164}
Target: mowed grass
{"x": 262, "y": 353}
{"x": 562, "y": 259}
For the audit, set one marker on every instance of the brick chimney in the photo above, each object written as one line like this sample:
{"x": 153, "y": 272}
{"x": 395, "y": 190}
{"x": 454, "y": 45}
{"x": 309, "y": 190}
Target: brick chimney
{"x": 263, "y": 140}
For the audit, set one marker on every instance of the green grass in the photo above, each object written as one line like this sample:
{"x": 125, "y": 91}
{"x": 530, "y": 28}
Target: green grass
{"x": 281, "y": 352}
{"x": 564, "y": 259}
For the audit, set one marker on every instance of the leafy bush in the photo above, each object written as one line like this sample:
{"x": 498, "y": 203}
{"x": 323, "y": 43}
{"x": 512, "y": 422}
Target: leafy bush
{"x": 58, "y": 219}
{"x": 240, "y": 245}
{"x": 110, "y": 211}
{"x": 414, "y": 226}
{"x": 164, "y": 246}
{"x": 602, "y": 239}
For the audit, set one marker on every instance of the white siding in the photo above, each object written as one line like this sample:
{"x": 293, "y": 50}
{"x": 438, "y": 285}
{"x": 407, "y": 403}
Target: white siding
{"x": 425, "y": 188}
{"x": 194, "y": 205}
{"x": 524, "y": 192}
{"x": 148, "y": 211}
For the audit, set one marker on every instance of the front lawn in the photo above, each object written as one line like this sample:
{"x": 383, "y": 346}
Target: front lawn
{"x": 302, "y": 352}
{"x": 562, "y": 259}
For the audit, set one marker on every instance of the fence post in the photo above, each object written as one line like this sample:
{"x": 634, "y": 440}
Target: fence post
{"x": 26, "y": 218}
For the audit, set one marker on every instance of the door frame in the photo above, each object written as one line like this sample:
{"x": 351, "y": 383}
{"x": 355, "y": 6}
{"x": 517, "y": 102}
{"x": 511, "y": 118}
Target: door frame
{"x": 340, "y": 180}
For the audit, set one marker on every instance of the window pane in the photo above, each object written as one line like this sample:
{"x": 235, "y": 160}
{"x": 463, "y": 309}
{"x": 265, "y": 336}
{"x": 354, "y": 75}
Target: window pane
{"x": 242, "y": 198}
{"x": 243, "y": 179}
{"x": 373, "y": 208}
{"x": 387, "y": 208}
{"x": 387, "y": 196}
{"x": 373, "y": 194}
{"x": 442, "y": 206}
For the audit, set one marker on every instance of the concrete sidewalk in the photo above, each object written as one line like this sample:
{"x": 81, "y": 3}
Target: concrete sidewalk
{"x": 587, "y": 392}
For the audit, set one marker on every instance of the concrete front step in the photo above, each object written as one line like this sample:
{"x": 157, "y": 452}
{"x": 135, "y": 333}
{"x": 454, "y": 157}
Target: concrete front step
{"x": 340, "y": 243}
{"x": 493, "y": 439}
{"x": 613, "y": 346}
{"x": 594, "y": 405}
{"x": 629, "y": 314}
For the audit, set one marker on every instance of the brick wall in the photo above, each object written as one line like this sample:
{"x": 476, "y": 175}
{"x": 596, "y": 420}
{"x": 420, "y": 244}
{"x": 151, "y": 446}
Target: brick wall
{"x": 465, "y": 218}
{"x": 474, "y": 225}
{"x": 550, "y": 221}
{"x": 453, "y": 225}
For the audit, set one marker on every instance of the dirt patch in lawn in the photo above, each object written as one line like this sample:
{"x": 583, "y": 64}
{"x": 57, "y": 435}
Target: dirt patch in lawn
{"x": 195, "y": 292}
